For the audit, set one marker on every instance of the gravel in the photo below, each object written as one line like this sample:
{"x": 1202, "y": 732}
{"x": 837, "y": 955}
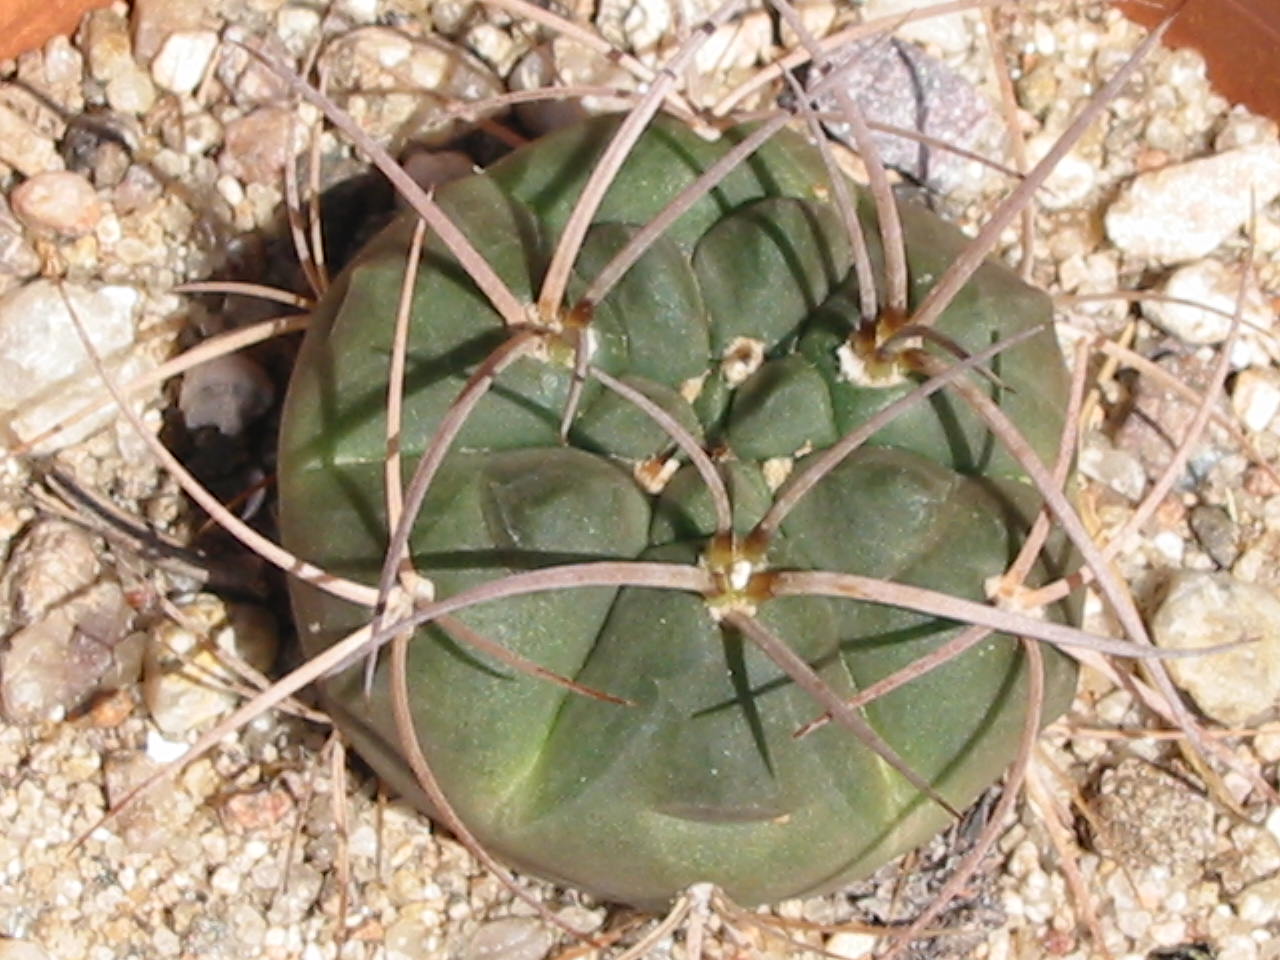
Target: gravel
{"x": 180, "y": 145}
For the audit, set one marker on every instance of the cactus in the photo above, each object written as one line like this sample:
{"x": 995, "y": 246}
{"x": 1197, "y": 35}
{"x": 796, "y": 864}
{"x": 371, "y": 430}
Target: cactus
{"x": 693, "y": 585}
{"x": 674, "y": 759}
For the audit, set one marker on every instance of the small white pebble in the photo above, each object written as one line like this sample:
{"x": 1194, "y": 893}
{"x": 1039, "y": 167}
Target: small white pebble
{"x": 230, "y": 189}
{"x": 1237, "y": 947}
{"x": 1170, "y": 546}
{"x": 851, "y": 945}
{"x": 296, "y": 26}
{"x": 1014, "y": 905}
{"x": 1267, "y": 744}
{"x": 1167, "y": 933}
{"x": 131, "y": 91}
{"x": 225, "y": 880}
{"x": 363, "y": 841}
{"x": 1112, "y": 708}
{"x": 1134, "y": 923}
{"x": 166, "y": 942}
{"x": 1272, "y": 823}
{"x": 183, "y": 60}
{"x": 1252, "y": 908}
{"x": 162, "y": 750}
{"x": 1025, "y": 860}
{"x": 1072, "y": 179}
{"x": 458, "y": 910}
{"x": 1120, "y": 470}
{"x": 1256, "y": 397}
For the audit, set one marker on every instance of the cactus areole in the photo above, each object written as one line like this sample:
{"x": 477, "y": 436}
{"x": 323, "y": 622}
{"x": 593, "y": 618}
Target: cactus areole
{"x": 736, "y": 322}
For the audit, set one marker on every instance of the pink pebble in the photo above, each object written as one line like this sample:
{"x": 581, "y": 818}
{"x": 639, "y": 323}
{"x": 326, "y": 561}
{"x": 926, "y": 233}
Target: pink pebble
{"x": 58, "y": 202}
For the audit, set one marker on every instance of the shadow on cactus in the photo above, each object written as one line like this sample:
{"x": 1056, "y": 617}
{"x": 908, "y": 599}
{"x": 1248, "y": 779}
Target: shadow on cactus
{"x": 657, "y": 498}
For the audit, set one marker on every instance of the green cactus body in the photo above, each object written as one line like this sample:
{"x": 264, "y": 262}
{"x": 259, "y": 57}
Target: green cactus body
{"x": 700, "y": 780}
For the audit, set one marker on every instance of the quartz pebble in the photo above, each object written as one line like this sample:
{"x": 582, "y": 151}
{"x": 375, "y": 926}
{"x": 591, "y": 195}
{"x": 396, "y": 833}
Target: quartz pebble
{"x": 227, "y": 392}
{"x": 45, "y": 374}
{"x": 185, "y": 683}
{"x": 1255, "y": 398}
{"x": 1072, "y": 179}
{"x": 511, "y": 938}
{"x": 737, "y": 45}
{"x": 494, "y": 46}
{"x": 1238, "y": 686}
{"x": 409, "y": 938}
{"x": 183, "y": 59}
{"x": 107, "y": 45}
{"x": 852, "y": 945}
{"x": 296, "y": 28}
{"x": 1214, "y": 286}
{"x": 367, "y": 11}
{"x": 1185, "y": 211}
{"x": 1240, "y": 129}
{"x": 1267, "y": 743}
{"x": 251, "y": 82}
{"x": 1118, "y": 469}
{"x": 39, "y": 345}
{"x": 1259, "y": 903}
{"x": 58, "y": 202}
{"x": 42, "y": 418}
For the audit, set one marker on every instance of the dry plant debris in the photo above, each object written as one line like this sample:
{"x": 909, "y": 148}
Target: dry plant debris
{"x": 150, "y": 151}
